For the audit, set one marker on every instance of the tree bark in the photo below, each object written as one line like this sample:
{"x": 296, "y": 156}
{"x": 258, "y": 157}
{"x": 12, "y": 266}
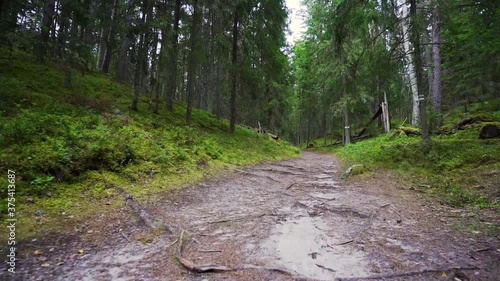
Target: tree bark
{"x": 436, "y": 61}
{"x": 418, "y": 70}
{"x": 171, "y": 84}
{"x": 121, "y": 72}
{"x": 111, "y": 40}
{"x": 411, "y": 71}
{"x": 47, "y": 20}
{"x": 192, "y": 68}
{"x": 234, "y": 61}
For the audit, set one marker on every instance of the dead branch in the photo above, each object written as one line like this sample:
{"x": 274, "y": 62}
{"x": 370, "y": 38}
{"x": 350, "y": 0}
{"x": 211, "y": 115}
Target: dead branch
{"x": 209, "y": 251}
{"x": 181, "y": 242}
{"x": 173, "y": 243}
{"x": 410, "y": 273}
{"x": 343, "y": 243}
{"x": 290, "y": 186}
{"x": 126, "y": 237}
{"x": 326, "y": 268}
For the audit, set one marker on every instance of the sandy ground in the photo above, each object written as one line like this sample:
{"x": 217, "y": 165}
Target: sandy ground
{"x": 295, "y": 216}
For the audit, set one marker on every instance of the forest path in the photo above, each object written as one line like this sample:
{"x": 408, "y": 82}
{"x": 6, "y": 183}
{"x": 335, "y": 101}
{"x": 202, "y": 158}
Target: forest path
{"x": 296, "y": 215}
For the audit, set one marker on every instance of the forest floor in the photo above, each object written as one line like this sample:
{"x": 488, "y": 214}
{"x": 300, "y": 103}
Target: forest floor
{"x": 290, "y": 220}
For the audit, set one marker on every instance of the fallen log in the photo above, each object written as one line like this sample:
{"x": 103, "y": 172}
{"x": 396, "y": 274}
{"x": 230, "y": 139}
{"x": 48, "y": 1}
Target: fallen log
{"x": 409, "y": 131}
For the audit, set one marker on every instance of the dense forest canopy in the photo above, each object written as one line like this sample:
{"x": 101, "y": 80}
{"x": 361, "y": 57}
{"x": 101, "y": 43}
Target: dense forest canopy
{"x": 231, "y": 57}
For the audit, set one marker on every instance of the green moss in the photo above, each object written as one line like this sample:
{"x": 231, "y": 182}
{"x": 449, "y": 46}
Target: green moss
{"x": 451, "y": 166}
{"x": 94, "y": 147}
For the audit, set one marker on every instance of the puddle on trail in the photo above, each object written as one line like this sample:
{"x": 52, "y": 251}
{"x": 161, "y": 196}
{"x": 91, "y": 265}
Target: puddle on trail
{"x": 303, "y": 245}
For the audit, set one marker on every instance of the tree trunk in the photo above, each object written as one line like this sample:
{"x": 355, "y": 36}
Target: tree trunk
{"x": 411, "y": 71}
{"x": 172, "y": 58}
{"x": 418, "y": 70}
{"x": 436, "y": 61}
{"x": 234, "y": 60}
{"x": 111, "y": 40}
{"x": 121, "y": 72}
{"x": 193, "y": 54}
{"x": 47, "y": 20}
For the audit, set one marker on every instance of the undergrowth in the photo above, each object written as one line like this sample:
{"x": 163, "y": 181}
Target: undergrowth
{"x": 70, "y": 147}
{"x": 458, "y": 168}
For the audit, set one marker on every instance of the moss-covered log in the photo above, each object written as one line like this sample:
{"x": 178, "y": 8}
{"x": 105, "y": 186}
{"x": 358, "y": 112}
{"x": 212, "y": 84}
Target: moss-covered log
{"x": 409, "y": 131}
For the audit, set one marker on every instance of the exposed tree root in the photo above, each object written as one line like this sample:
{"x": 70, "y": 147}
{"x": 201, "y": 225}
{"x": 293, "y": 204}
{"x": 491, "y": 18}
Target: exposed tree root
{"x": 240, "y": 218}
{"x": 409, "y": 273}
{"x": 255, "y": 175}
{"x": 152, "y": 222}
{"x": 143, "y": 215}
{"x": 280, "y": 172}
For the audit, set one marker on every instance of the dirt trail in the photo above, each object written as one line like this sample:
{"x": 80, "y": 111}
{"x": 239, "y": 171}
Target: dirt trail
{"x": 294, "y": 214}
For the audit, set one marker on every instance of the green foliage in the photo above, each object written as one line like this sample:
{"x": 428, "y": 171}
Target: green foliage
{"x": 74, "y": 141}
{"x": 450, "y": 166}
{"x": 41, "y": 184}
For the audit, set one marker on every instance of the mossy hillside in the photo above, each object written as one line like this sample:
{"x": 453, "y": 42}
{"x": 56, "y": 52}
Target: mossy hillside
{"x": 82, "y": 145}
{"x": 459, "y": 168}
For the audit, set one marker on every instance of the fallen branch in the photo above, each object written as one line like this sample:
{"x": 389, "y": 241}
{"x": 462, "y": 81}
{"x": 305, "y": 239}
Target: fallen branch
{"x": 343, "y": 243}
{"x": 209, "y": 251}
{"x": 326, "y": 268}
{"x": 173, "y": 243}
{"x": 483, "y": 249}
{"x": 181, "y": 242}
{"x": 410, "y": 273}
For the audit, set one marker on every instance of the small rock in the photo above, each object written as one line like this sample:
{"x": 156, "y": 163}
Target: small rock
{"x": 48, "y": 193}
{"x": 399, "y": 221}
{"x": 51, "y": 250}
{"x": 63, "y": 213}
{"x": 90, "y": 231}
{"x": 38, "y": 253}
{"x": 29, "y": 157}
{"x": 108, "y": 202}
{"x": 60, "y": 263}
{"x": 34, "y": 240}
{"x": 39, "y": 213}
{"x": 30, "y": 200}
{"x": 71, "y": 216}
{"x": 45, "y": 265}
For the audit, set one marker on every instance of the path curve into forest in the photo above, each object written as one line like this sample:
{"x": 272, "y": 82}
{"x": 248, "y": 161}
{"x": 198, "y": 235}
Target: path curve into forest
{"x": 296, "y": 215}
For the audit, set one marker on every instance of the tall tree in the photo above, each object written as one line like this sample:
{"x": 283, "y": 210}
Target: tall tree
{"x": 436, "y": 94}
{"x": 234, "y": 76}
{"x": 123, "y": 62}
{"x": 193, "y": 58}
{"x": 171, "y": 83}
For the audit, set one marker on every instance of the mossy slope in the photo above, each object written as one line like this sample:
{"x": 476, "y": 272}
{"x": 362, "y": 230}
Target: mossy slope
{"x": 70, "y": 147}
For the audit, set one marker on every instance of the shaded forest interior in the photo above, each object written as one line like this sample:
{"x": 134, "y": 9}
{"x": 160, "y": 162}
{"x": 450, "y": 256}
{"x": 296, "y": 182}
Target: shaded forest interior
{"x": 231, "y": 58}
